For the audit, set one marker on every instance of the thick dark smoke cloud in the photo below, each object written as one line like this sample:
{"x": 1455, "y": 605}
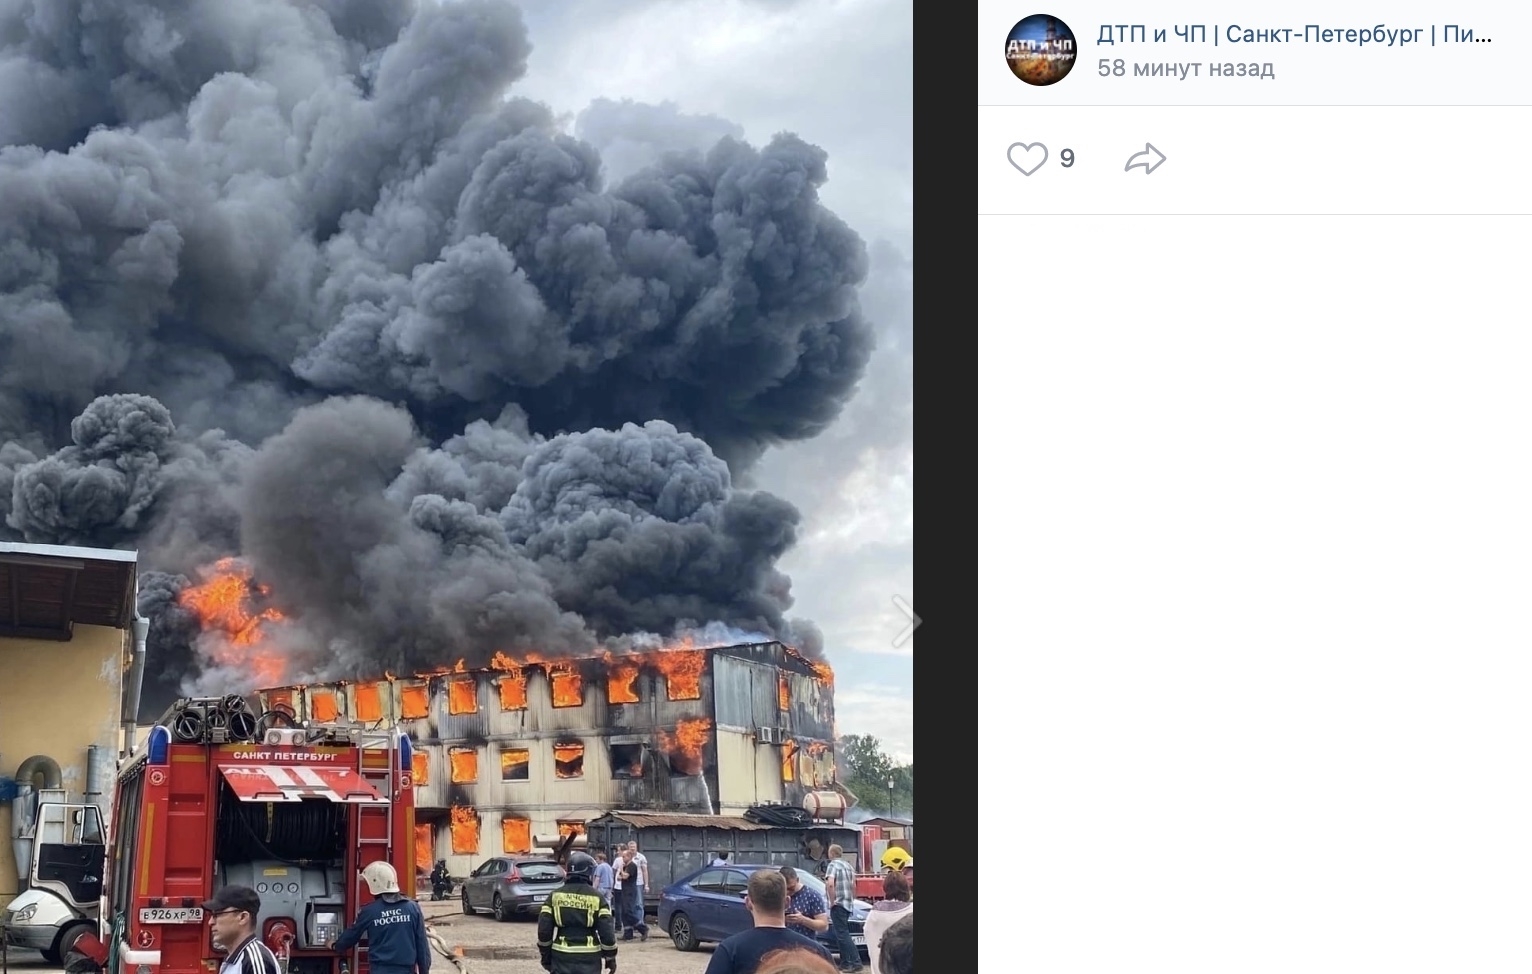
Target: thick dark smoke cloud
{"x": 296, "y": 281}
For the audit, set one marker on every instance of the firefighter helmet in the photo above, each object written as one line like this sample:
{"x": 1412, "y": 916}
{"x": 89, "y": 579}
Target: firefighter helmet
{"x": 381, "y": 878}
{"x": 581, "y": 868}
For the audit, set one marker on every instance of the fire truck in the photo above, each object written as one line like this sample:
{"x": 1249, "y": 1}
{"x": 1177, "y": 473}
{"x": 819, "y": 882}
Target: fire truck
{"x": 221, "y": 794}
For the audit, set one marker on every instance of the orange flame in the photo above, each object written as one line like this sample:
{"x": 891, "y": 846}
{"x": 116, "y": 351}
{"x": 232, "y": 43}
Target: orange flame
{"x": 222, "y": 605}
{"x": 465, "y": 831}
{"x": 458, "y": 667}
{"x": 465, "y": 765}
{"x": 567, "y": 829}
{"x": 621, "y": 673}
{"x": 420, "y": 764}
{"x": 685, "y": 748}
{"x": 569, "y": 760}
{"x": 515, "y": 764}
{"x": 425, "y": 847}
{"x": 462, "y": 695}
{"x": 682, "y": 666}
{"x": 500, "y": 661}
{"x": 789, "y": 751}
{"x": 513, "y": 690}
{"x": 414, "y": 702}
{"x": 325, "y": 709}
{"x": 783, "y": 698}
{"x": 568, "y": 688}
{"x": 516, "y": 835}
{"x": 368, "y": 702}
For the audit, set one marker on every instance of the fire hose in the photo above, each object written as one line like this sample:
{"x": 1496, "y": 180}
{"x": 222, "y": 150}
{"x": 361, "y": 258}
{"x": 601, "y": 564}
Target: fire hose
{"x": 440, "y": 945}
{"x": 782, "y": 816}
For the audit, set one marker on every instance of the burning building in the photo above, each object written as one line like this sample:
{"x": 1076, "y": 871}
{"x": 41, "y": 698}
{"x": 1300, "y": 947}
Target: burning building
{"x": 513, "y": 756}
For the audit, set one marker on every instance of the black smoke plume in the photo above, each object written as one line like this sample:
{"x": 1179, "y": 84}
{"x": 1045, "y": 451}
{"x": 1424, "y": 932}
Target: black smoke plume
{"x": 297, "y": 282}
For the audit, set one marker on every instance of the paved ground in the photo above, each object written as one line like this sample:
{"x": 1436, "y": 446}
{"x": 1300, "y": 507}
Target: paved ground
{"x": 492, "y": 947}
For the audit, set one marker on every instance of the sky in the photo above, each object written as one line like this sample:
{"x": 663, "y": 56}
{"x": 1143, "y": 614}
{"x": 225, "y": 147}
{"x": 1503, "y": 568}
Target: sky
{"x": 636, "y": 77}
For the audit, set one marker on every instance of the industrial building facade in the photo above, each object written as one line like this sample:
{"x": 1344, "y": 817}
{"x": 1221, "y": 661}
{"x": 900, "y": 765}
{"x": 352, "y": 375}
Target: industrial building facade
{"x": 512, "y": 757}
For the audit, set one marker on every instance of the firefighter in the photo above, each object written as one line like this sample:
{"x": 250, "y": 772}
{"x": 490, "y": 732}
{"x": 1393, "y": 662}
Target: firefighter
{"x": 575, "y": 931}
{"x": 394, "y": 926}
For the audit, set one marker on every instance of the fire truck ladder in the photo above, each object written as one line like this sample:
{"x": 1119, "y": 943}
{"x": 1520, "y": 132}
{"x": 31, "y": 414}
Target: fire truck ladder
{"x": 382, "y": 779}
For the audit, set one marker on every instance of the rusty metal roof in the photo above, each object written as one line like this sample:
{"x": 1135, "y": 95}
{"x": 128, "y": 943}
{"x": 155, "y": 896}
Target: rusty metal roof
{"x": 683, "y": 820}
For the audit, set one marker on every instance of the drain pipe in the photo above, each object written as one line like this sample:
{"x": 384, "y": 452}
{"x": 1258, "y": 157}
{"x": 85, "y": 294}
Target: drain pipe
{"x": 135, "y": 686}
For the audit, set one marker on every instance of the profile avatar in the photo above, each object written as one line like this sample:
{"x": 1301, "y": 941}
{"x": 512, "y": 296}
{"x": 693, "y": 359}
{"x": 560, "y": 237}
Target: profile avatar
{"x": 1040, "y": 50}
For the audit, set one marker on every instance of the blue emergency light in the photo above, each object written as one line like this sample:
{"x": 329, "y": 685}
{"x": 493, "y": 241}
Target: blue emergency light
{"x": 159, "y": 744}
{"x": 406, "y": 753}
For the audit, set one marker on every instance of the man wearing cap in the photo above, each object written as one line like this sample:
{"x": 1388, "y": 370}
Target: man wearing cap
{"x": 232, "y": 912}
{"x": 394, "y": 926}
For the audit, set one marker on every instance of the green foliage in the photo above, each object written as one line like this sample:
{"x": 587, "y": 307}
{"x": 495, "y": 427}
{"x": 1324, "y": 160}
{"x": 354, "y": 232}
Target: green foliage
{"x": 867, "y": 771}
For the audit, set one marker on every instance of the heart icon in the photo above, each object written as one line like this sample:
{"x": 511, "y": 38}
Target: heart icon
{"x": 1020, "y": 159}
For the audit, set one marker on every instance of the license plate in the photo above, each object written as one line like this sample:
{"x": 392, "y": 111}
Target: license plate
{"x": 539, "y": 899}
{"x": 162, "y": 914}
{"x": 859, "y": 939}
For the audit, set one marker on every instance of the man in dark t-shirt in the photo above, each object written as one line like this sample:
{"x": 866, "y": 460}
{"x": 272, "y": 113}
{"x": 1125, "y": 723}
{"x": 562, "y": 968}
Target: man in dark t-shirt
{"x": 766, "y": 899}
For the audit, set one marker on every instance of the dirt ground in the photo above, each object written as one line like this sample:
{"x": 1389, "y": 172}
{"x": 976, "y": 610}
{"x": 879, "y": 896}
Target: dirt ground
{"x": 492, "y": 947}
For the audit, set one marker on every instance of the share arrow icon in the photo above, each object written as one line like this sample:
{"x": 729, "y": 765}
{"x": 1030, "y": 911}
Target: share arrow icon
{"x": 1149, "y": 160}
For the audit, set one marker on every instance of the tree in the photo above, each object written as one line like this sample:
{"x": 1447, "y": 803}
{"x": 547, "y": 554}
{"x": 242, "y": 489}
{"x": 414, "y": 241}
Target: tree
{"x": 866, "y": 770}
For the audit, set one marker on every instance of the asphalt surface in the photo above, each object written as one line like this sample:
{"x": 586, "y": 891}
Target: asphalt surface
{"x": 492, "y": 947}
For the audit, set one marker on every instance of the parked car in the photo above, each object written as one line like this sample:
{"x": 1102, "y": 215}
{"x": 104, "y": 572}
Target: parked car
{"x": 709, "y": 905}
{"x": 510, "y": 886}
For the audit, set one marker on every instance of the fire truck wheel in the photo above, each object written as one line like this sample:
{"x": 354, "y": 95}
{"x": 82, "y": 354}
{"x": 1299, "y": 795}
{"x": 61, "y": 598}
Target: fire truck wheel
{"x": 498, "y": 906}
{"x": 467, "y": 910}
{"x": 681, "y": 932}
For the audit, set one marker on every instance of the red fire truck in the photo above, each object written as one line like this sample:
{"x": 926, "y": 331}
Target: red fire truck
{"x": 222, "y": 795}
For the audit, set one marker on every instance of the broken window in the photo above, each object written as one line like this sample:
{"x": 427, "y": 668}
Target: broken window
{"x": 465, "y": 831}
{"x": 513, "y": 690}
{"x": 628, "y": 760}
{"x": 515, "y": 835}
{"x": 568, "y": 688}
{"x": 569, "y": 760}
{"x": 463, "y": 696}
{"x": 368, "y": 703}
{"x": 420, "y": 764}
{"x": 515, "y": 764}
{"x": 683, "y": 673}
{"x": 323, "y": 707}
{"x": 425, "y": 847}
{"x": 622, "y": 682}
{"x": 414, "y": 702}
{"x": 568, "y": 827}
{"x": 783, "y": 699}
{"x": 465, "y": 765}
{"x": 789, "y": 752}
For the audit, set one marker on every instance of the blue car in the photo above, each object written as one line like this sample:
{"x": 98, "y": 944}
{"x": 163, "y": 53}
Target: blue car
{"x": 709, "y": 905}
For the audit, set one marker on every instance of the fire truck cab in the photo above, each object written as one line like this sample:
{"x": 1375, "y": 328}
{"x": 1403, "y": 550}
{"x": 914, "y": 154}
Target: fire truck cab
{"x": 220, "y": 795}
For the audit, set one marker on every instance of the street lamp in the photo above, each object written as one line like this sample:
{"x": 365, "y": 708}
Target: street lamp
{"x": 890, "y": 798}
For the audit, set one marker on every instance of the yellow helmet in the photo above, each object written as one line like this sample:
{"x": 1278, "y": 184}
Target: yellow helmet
{"x": 897, "y": 858}
{"x": 381, "y": 878}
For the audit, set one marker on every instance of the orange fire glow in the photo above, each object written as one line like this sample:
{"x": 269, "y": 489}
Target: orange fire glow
{"x": 621, "y": 674}
{"x": 682, "y": 666}
{"x": 462, "y": 695}
{"x": 568, "y": 688}
{"x": 368, "y": 702}
{"x": 685, "y": 748}
{"x": 789, "y": 751}
{"x": 571, "y": 828}
{"x": 414, "y": 702}
{"x": 515, "y": 764}
{"x": 325, "y": 709}
{"x": 465, "y": 765}
{"x": 465, "y": 831}
{"x": 783, "y": 697}
{"x": 420, "y": 764}
{"x": 569, "y": 760}
{"x": 425, "y": 847}
{"x": 516, "y": 834}
{"x": 513, "y": 689}
{"x": 222, "y": 604}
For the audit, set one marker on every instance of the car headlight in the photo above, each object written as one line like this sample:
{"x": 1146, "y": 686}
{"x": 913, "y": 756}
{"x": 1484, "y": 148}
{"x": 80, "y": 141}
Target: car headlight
{"x": 24, "y": 914}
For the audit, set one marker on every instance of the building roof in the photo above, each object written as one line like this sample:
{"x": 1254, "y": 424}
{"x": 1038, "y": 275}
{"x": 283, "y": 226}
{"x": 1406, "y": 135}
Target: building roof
{"x": 885, "y": 820}
{"x": 45, "y": 590}
{"x": 682, "y": 820}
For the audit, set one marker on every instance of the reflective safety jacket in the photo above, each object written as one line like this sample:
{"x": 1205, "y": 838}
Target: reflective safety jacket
{"x": 575, "y": 931}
